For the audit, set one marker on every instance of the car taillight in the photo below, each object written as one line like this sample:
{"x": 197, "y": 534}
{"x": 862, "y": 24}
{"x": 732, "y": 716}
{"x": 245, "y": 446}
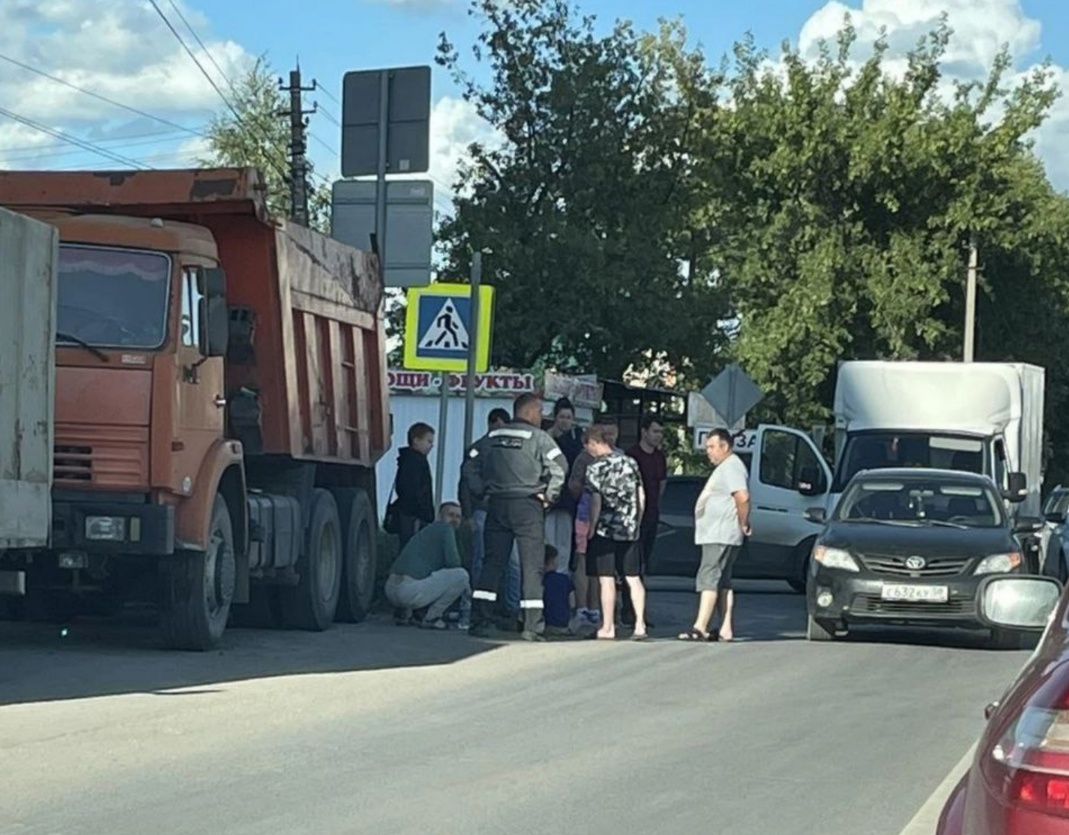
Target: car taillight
{"x": 1029, "y": 765}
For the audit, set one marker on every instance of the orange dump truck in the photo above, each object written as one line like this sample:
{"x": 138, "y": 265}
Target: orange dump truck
{"x": 220, "y": 403}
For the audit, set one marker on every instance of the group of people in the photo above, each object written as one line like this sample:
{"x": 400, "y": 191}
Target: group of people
{"x": 561, "y": 520}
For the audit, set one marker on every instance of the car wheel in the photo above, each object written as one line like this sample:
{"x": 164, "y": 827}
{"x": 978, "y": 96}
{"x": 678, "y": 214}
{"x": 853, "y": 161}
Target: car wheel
{"x": 819, "y": 629}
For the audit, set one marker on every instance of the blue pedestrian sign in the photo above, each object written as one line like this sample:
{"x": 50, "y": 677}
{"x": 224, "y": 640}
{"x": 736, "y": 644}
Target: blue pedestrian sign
{"x": 439, "y": 330}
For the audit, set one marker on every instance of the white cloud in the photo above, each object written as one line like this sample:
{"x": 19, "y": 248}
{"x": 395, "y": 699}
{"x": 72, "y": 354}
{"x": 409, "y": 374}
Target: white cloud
{"x": 117, "y": 49}
{"x": 980, "y": 29}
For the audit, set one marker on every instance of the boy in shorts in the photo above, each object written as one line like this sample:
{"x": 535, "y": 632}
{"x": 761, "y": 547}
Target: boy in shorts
{"x": 616, "y": 505}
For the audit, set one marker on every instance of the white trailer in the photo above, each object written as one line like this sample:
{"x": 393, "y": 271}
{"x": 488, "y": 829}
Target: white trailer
{"x": 28, "y": 257}
{"x": 979, "y": 417}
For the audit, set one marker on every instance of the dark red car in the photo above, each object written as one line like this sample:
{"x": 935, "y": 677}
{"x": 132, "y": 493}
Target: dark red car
{"x": 1018, "y": 783}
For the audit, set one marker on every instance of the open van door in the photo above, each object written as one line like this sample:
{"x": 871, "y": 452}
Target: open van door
{"x": 788, "y": 475}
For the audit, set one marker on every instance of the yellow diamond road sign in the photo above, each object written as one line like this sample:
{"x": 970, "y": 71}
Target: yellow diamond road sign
{"x": 438, "y": 328}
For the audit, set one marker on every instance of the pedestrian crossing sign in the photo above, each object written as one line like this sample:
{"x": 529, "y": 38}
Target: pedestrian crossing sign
{"x": 439, "y": 330}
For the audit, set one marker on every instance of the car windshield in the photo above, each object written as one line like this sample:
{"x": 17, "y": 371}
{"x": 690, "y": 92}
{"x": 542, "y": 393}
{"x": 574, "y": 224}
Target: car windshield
{"x": 882, "y": 450}
{"x": 112, "y": 297}
{"x": 920, "y": 502}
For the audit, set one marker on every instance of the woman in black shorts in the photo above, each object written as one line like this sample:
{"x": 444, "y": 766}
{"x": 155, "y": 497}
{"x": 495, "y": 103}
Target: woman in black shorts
{"x": 617, "y": 501}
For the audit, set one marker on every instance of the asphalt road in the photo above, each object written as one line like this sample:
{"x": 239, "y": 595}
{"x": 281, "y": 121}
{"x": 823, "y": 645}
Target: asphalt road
{"x": 380, "y": 729}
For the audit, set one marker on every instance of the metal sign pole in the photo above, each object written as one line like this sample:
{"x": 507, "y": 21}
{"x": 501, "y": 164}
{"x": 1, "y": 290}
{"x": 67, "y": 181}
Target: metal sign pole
{"x": 473, "y": 349}
{"x": 441, "y": 435}
{"x": 380, "y": 182}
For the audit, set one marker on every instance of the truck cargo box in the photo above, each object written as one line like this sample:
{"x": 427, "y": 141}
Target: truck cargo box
{"x": 306, "y": 373}
{"x": 28, "y": 252}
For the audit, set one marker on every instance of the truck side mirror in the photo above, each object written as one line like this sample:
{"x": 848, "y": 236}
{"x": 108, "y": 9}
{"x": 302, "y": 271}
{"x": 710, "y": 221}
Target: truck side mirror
{"x": 1016, "y": 488}
{"x": 215, "y": 326}
{"x": 816, "y": 514}
{"x": 214, "y": 282}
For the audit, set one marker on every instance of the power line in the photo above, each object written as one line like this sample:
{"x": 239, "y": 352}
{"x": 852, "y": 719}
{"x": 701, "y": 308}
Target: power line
{"x": 99, "y": 97}
{"x": 196, "y": 37}
{"x": 88, "y": 146}
{"x": 279, "y": 169}
{"x": 330, "y": 116}
{"x": 330, "y": 95}
{"x": 56, "y": 149}
{"x": 325, "y": 145}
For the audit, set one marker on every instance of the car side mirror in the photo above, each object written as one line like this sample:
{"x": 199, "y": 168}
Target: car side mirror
{"x": 1016, "y": 488}
{"x": 1010, "y": 601}
{"x": 816, "y": 515}
{"x": 1027, "y": 524}
{"x": 215, "y": 321}
{"x": 810, "y": 482}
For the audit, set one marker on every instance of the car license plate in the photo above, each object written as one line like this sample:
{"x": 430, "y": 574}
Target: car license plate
{"x": 915, "y": 594}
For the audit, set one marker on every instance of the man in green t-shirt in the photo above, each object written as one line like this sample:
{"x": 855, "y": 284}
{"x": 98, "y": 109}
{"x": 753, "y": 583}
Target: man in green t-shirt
{"x": 428, "y": 574}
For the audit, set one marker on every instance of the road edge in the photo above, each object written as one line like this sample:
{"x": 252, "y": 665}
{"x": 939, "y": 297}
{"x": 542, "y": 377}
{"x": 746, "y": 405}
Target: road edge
{"x": 927, "y": 817}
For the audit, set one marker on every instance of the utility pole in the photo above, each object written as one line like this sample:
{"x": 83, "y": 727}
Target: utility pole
{"x": 970, "y": 302}
{"x": 298, "y": 147}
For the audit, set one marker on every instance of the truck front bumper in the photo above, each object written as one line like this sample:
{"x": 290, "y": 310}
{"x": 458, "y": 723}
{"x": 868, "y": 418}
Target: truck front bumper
{"x": 112, "y": 527}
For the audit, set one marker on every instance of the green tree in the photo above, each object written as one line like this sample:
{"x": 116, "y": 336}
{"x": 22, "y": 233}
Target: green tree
{"x": 844, "y": 199}
{"x": 257, "y": 134}
{"x": 584, "y": 205}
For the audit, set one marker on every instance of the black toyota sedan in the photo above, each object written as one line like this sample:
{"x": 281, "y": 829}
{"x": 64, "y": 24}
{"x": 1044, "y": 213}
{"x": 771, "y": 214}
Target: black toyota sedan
{"x": 910, "y": 546}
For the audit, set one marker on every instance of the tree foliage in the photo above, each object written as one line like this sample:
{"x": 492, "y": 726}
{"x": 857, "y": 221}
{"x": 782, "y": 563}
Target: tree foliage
{"x": 786, "y": 211}
{"x": 257, "y": 134}
{"x": 583, "y": 207}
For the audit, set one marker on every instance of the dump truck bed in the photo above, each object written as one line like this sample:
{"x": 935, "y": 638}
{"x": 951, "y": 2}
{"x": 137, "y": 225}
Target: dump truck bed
{"x": 306, "y": 311}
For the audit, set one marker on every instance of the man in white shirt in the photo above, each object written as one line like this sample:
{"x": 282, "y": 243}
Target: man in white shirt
{"x": 721, "y": 522}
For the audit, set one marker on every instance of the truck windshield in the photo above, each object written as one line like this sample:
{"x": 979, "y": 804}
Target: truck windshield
{"x": 112, "y": 297}
{"x": 880, "y": 450}
{"x": 921, "y": 501}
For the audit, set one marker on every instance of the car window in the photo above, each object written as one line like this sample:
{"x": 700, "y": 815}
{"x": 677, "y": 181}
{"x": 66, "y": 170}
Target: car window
{"x": 920, "y": 501}
{"x": 778, "y": 454}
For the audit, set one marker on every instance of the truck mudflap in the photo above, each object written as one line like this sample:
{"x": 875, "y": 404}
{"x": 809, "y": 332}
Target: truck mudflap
{"x": 103, "y": 527}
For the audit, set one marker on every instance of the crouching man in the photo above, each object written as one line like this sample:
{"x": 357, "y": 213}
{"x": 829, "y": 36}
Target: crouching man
{"x": 428, "y": 574}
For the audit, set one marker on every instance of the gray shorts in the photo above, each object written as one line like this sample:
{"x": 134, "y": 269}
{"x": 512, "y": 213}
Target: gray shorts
{"x": 714, "y": 573}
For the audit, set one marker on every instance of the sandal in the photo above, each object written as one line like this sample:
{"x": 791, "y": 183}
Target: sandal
{"x": 693, "y": 634}
{"x": 641, "y": 636}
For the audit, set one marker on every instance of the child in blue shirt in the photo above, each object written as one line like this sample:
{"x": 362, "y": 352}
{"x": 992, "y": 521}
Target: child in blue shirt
{"x": 558, "y": 596}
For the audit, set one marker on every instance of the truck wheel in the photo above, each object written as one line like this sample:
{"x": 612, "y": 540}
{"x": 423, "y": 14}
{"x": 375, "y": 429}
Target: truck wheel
{"x": 198, "y": 587}
{"x": 360, "y": 554}
{"x": 819, "y": 630}
{"x": 312, "y": 603}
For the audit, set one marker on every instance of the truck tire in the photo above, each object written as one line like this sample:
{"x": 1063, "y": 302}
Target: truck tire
{"x": 198, "y": 587}
{"x": 360, "y": 554}
{"x": 313, "y": 602}
{"x": 819, "y": 630}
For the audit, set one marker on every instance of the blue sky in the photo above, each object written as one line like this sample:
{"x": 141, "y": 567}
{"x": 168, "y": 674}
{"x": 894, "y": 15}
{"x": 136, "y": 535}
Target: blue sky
{"x": 121, "y": 49}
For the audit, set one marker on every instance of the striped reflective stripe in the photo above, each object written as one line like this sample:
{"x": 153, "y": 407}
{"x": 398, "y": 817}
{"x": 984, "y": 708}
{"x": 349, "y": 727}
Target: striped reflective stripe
{"x": 474, "y": 453}
{"x": 532, "y": 604}
{"x": 511, "y": 433}
{"x": 554, "y": 453}
{"x": 484, "y": 595}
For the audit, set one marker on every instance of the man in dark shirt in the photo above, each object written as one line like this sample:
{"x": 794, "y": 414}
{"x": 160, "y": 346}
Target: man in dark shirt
{"x": 654, "y": 468}
{"x": 414, "y": 486}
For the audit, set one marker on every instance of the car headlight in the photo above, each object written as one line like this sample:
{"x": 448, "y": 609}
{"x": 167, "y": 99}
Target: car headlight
{"x": 105, "y": 528}
{"x": 835, "y": 558}
{"x": 998, "y": 563}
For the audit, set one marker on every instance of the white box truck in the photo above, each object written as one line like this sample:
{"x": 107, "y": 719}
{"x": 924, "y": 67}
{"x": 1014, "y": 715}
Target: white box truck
{"x": 979, "y": 417}
{"x": 28, "y": 257}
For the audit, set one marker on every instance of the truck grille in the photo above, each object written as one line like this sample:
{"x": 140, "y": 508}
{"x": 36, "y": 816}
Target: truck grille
{"x": 896, "y": 566}
{"x": 73, "y": 463}
{"x": 109, "y": 457}
{"x": 869, "y": 604}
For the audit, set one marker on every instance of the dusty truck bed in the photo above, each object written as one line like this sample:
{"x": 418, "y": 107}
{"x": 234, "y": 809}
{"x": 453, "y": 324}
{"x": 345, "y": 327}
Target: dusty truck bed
{"x": 307, "y": 330}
